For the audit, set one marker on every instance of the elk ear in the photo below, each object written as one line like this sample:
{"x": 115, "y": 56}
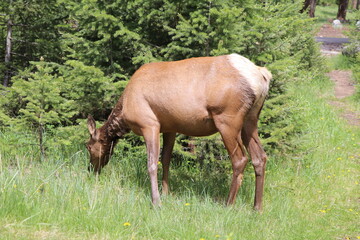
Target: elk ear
{"x": 91, "y": 126}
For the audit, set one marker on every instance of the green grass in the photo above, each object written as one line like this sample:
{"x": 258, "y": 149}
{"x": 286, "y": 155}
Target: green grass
{"x": 324, "y": 13}
{"x": 309, "y": 194}
{"x": 340, "y": 62}
{"x": 328, "y": 13}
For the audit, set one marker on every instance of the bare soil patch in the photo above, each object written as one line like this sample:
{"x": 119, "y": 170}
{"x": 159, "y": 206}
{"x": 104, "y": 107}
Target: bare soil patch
{"x": 344, "y": 87}
{"x": 327, "y": 30}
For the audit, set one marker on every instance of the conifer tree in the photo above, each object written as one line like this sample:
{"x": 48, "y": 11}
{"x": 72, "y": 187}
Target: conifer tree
{"x": 40, "y": 100}
{"x": 34, "y": 33}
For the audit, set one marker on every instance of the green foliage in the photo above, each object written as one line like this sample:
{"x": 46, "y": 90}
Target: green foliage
{"x": 107, "y": 36}
{"x": 356, "y": 76}
{"x": 90, "y": 89}
{"x": 48, "y": 98}
{"x": 39, "y": 98}
{"x": 35, "y": 32}
{"x": 326, "y": 2}
{"x": 214, "y": 28}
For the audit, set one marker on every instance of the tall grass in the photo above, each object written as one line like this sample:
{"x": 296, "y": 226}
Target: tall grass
{"x": 311, "y": 193}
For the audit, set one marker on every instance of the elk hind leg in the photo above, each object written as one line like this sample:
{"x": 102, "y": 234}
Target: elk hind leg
{"x": 258, "y": 157}
{"x": 168, "y": 145}
{"x": 233, "y": 143}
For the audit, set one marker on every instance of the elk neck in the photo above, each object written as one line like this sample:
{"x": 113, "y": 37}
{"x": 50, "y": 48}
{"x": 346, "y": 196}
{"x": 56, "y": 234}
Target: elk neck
{"x": 115, "y": 127}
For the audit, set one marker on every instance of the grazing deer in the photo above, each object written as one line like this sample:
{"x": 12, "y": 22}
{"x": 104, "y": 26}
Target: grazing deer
{"x": 195, "y": 97}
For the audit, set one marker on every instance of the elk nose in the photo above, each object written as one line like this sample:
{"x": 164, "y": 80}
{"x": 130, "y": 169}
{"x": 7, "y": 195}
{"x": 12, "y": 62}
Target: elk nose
{"x": 95, "y": 170}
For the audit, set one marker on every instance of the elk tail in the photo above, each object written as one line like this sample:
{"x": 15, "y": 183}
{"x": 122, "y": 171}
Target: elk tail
{"x": 266, "y": 74}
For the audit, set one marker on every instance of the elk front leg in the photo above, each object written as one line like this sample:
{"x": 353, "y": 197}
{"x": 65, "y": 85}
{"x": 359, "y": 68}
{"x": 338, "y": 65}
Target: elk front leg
{"x": 168, "y": 145}
{"x": 152, "y": 139}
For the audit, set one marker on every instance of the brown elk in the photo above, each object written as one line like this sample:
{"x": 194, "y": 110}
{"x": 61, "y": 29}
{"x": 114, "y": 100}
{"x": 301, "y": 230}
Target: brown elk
{"x": 195, "y": 97}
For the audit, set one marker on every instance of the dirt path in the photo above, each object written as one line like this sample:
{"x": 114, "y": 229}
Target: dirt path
{"x": 344, "y": 86}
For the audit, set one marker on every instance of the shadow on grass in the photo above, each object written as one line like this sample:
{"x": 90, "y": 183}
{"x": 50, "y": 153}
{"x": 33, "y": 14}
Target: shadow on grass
{"x": 185, "y": 180}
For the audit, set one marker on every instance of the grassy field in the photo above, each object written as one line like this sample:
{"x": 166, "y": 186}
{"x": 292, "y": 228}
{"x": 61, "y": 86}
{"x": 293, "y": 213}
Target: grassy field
{"x": 312, "y": 193}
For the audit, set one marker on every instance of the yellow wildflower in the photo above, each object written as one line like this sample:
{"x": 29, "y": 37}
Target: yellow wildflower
{"x": 322, "y": 211}
{"x": 15, "y": 186}
{"x": 127, "y": 224}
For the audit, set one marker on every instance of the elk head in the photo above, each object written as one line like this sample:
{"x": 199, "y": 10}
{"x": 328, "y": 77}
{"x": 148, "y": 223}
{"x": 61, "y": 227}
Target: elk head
{"x": 99, "y": 147}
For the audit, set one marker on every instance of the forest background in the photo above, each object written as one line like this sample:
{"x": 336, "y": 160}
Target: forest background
{"x": 72, "y": 58}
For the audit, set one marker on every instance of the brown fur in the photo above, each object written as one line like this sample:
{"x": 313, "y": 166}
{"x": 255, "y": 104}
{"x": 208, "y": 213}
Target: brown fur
{"x": 196, "y": 97}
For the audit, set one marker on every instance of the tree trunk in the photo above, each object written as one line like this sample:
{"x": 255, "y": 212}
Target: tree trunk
{"x": 312, "y": 8}
{"x": 312, "y": 4}
{"x": 306, "y": 5}
{"x": 8, "y": 53}
{"x": 207, "y": 43}
{"x": 341, "y": 15}
{"x": 353, "y": 4}
{"x": 41, "y": 142}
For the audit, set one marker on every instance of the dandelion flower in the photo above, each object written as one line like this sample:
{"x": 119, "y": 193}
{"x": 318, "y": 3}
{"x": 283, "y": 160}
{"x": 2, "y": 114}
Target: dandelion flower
{"x": 187, "y": 204}
{"x": 15, "y": 186}
{"x": 127, "y": 224}
{"x": 351, "y": 210}
{"x": 322, "y": 211}
{"x": 217, "y": 235}
{"x": 339, "y": 158}
{"x": 202, "y": 239}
